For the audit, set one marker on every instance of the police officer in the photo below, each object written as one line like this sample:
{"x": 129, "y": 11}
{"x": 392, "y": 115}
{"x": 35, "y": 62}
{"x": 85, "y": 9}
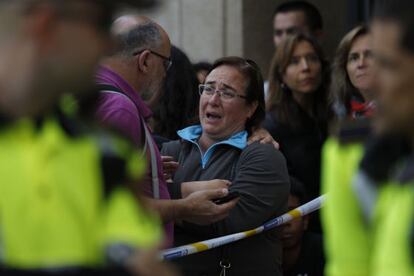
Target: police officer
{"x": 69, "y": 203}
{"x": 370, "y": 226}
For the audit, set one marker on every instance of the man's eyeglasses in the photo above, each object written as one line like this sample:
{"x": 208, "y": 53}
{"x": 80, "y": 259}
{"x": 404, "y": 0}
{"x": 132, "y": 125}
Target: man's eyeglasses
{"x": 225, "y": 94}
{"x": 166, "y": 60}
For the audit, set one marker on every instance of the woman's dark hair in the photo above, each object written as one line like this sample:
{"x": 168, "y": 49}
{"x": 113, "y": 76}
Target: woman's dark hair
{"x": 254, "y": 88}
{"x": 298, "y": 190}
{"x": 202, "y": 66}
{"x": 280, "y": 99}
{"x": 178, "y": 107}
{"x": 342, "y": 89}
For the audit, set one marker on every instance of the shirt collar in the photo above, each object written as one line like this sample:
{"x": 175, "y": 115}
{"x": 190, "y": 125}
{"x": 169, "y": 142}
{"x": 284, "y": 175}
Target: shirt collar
{"x": 193, "y": 133}
{"x": 107, "y": 76}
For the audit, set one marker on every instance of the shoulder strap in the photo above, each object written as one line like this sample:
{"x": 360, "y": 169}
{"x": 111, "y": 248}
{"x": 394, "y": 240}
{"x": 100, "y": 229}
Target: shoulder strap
{"x": 108, "y": 87}
{"x": 104, "y": 88}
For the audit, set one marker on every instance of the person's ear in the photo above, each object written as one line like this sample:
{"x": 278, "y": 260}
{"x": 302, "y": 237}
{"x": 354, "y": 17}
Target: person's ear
{"x": 143, "y": 61}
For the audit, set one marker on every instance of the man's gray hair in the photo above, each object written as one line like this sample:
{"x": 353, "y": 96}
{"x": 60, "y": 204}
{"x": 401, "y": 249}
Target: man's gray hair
{"x": 143, "y": 36}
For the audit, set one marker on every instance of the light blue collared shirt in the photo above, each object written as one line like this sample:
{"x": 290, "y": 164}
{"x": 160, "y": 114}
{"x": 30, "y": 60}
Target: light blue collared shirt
{"x": 193, "y": 133}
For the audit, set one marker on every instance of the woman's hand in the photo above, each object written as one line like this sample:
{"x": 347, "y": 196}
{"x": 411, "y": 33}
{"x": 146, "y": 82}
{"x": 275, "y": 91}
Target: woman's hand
{"x": 188, "y": 188}
{"x": 169, "y": 166}
{"x": 200, "y": 208}
{"x": 263, "y": 136}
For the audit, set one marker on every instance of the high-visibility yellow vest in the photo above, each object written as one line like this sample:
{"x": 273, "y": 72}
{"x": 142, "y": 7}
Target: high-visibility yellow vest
{"x": 347, "y": 238}
{"x": 394, "y": 221}
{"x": 53, "y": 208}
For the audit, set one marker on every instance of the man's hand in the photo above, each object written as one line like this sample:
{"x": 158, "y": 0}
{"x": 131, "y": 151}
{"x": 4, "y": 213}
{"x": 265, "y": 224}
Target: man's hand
{"x": 146, "y": 263}
{"x": 169, "y": 166}
{"x": 263, "y": 136}
{"x": 200, "y": 209}
{"x": 188, "y": 188}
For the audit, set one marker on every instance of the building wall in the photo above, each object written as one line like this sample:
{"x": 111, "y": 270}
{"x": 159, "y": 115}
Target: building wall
{"x": 209, "y": 29}
{"x": 204, "y": 29}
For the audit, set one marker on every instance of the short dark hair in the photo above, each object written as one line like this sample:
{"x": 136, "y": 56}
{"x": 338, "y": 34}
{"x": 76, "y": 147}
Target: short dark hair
{"x": 254, "y": 89}
{"x": 312, "y": 14}
{"x": 143, "y": 36}
{"x": 401, "y": 12}
{"x": 297, "y": 189}
{"x": 202, "y": 66}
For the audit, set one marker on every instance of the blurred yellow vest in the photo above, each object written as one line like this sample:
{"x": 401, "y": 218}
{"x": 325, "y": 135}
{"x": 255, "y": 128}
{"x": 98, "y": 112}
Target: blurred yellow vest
{"x": 53, "y": 209}
{"x": 392, "y": 254}
{"x": 346, "y": 236}
{"x": 355, "y": 246}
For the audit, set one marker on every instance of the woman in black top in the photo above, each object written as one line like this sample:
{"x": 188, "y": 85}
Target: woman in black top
{"x": 298, "y": 109}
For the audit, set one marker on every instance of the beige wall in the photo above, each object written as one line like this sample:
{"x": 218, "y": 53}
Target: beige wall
{"x": 204, "y": 29}
{"x": 209, "y": 29}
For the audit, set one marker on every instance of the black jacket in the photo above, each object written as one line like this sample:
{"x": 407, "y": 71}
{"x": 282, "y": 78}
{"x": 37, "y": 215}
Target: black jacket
{"x": 301, "y": 147}
{"x": 259, "y": 174}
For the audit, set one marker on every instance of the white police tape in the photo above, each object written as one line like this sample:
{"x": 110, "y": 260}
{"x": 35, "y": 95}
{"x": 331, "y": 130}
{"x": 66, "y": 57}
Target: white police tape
{"x": 188, "y": 249}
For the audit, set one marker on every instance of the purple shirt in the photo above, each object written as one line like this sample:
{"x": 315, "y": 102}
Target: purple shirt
{"x": 124, "y": 115}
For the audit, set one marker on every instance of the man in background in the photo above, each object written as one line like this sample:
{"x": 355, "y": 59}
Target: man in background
{"x": 296, "y": 16}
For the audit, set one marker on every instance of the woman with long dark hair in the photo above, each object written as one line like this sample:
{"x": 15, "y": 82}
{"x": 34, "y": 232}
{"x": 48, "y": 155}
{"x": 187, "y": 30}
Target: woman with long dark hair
{"x": 298, "y": 108}
{"x": 178, "y": 106}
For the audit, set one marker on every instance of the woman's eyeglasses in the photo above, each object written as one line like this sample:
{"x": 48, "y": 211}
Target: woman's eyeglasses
{"x": 225, "y": 94}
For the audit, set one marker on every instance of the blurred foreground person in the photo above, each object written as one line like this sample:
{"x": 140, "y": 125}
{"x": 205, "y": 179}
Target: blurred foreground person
{"x": 68, "y": 197}
{"x": 369, "y": 217}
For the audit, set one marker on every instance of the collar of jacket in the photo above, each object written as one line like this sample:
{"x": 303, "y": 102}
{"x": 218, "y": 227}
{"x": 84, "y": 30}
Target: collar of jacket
{"x": 192, "y": 134}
